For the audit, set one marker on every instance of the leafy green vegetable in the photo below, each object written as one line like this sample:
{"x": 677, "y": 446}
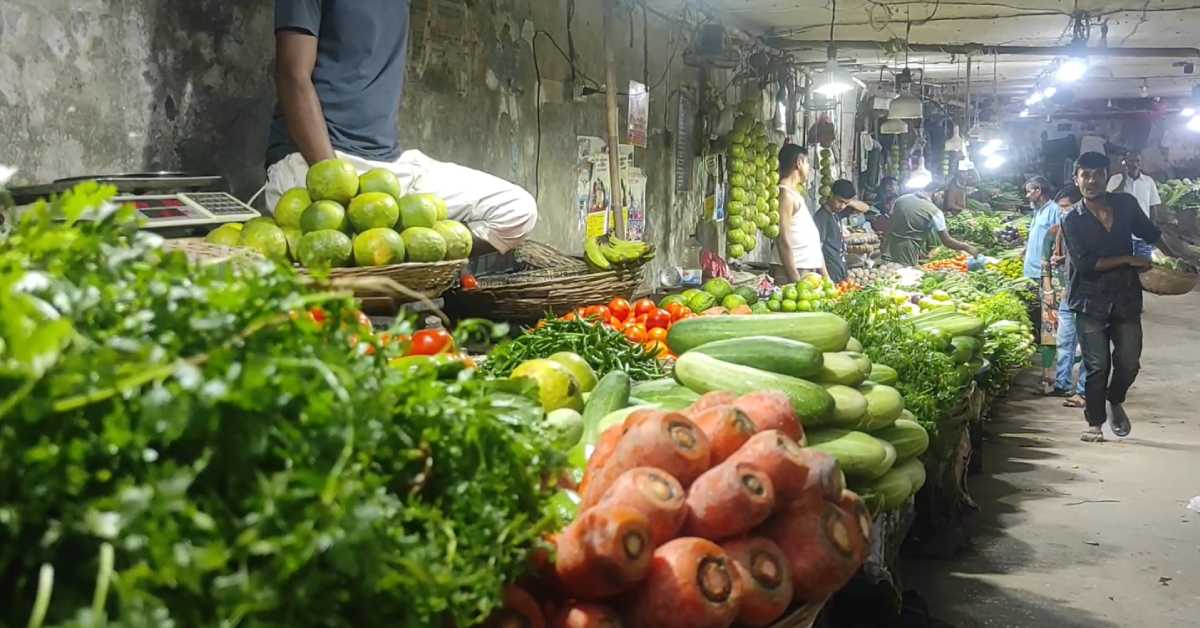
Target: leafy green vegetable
{"x": 604, "y": 349}
{"x": 248, "y": 463}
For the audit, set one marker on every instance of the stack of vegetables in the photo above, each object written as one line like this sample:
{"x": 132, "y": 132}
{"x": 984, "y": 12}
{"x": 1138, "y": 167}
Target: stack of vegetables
{"x": 811, "y": 294}
{"x": 717, "y": 296}
{"x": 825, "y": 169}
{"x": 753, "y": 205}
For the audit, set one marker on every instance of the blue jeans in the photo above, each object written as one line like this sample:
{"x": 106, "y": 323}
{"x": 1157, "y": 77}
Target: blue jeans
{"x": 1068, "y": 348}
{"x": 1141, "y": 249}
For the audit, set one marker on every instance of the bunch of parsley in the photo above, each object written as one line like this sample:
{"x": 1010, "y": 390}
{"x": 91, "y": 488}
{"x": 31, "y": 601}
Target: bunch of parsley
{"x": 244, "y": 463}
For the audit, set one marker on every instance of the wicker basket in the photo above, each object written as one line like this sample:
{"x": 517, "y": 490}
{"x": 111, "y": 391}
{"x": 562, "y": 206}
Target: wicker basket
{"x": 430, "y": 280}
{"x": 1168, "y": 282}
{"x": 529, "y": 296}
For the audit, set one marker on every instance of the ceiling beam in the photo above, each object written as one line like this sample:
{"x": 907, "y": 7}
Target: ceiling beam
{"x": 986, "y": 49}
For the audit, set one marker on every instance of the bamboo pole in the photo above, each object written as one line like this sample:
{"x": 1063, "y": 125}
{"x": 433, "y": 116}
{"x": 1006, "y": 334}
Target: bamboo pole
{"x": 614, "y": 130}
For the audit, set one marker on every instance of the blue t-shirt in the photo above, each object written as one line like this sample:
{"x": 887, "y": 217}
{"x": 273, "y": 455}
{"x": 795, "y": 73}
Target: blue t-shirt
{"x": 1046, "y": 217}
{"x": 362, "y": 47}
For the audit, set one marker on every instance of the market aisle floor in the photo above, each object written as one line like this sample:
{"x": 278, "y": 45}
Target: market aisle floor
{"x": 1082, "y": 535}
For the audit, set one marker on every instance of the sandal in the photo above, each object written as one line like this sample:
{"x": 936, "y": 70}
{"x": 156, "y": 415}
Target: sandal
{"x": 1057, "y": 392}
{"x": 1092, "y": 435}
{"x": 1075, "y": 401}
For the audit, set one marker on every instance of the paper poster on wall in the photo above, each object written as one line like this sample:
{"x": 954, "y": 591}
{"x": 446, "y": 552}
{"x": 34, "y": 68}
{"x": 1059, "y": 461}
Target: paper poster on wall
{"x": 593, "y": 197}
{"x": 639, "y": 113}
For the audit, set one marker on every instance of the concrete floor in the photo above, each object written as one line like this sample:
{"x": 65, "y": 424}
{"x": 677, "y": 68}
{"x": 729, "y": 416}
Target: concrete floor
{"x": 1072, "y": 534}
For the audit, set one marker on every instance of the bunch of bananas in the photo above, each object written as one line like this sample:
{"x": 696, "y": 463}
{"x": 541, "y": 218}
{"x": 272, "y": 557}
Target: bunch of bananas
{"x": 608, "y": 252}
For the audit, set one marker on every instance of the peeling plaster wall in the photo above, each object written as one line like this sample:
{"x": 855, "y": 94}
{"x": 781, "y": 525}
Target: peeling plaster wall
{"x": 95, "y": 86}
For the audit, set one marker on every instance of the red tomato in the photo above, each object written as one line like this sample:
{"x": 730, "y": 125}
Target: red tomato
{"x": 644, "y": 306}
{"x": 620, "y": 308}
{"x": 656, "y": 348}
{"x": 318, "y": 315}
{"x": 616, "y": 323}
{"x": 674, "y": 309}
{"x": 469, "y": 283}
{"x": 596, "y": 311}
{"x": 659, "y": 318}
{"x": 657, "y": 333}
{"x": 431, "y": 342}
{"x": 636, "y": 333}
{"x": 569, "y": 316}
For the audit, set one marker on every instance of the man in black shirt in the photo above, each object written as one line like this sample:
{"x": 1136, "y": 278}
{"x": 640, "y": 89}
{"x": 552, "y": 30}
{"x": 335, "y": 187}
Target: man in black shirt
{"x": 1104, "y": 290}
{"x": 833, "y": 244}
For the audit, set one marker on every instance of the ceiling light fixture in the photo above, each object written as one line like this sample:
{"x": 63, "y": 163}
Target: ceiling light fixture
{"x": 893, "y": 127}
{"x": 1071, "y": 70}
{"x": 995, "y": 161}
{"x": 1194, "y": 124}
{"x": 1188, "y": 112}
{"x": 1025, "y": 113}
{"x": 1049, "y": 92}
{"x": 1034, "y": 99}
{"x": 920, "y": 178}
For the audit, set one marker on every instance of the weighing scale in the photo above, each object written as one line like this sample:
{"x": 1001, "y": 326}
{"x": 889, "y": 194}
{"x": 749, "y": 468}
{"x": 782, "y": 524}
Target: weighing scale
{"x": 173, "y": 204}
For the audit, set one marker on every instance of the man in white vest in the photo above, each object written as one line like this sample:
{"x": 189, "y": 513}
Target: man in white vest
{"x": 1138, "y": 184}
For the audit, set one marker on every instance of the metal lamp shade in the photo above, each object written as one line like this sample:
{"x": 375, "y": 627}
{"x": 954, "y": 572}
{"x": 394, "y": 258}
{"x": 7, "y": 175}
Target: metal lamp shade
{"x": 906, "y": 108}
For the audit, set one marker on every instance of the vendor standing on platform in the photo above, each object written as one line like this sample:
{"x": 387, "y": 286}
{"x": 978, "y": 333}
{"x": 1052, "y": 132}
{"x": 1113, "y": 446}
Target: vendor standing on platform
{"x": 340, "y": 78}
{"x": 1141, "y": 186}
{"x": 829, "y": 226}
{"x": 913, "y": 219}
{"x": 799, "y": 240}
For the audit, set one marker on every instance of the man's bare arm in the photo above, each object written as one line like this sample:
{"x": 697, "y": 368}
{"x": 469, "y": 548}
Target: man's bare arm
{"x": 295, "y": 57}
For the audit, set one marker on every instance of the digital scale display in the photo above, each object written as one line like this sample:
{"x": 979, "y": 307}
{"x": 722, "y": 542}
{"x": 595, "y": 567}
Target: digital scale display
{"x": 161, "y": 208}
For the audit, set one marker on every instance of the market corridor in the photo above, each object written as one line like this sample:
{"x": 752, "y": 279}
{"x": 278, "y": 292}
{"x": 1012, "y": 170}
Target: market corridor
{"x": 1072, "y": 534}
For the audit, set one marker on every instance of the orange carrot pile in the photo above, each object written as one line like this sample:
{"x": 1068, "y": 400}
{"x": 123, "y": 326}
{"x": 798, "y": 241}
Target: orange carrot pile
{"x": 691, "y": 584}
{"x": 729, "y": 499}
{"x": 766, "y": 579}
{"x": 727, "y": 428}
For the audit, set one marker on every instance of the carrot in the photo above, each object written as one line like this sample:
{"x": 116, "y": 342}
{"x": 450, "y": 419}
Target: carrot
{"x": 607, "y": 443}
{"x": 729, "y": 499}
{"x": 857, "y": 512}
{"x": 668, "y": 441}
{"x": 825, "y": 477}
{"x": 727, "y": 429}
{"x": 785, "y": 462}
{"x": 819, "y": 544}
{"x": 520, "y": 610}
{"x": 655, "y": 494}
{"x": 583, "y": 615}
{"x": 772, "y": 410}
{"x": 691, "y": 584}
{"x": 603, "y": 552}
{"x": 766, "y": 579}
{"x": 711, "y": 399}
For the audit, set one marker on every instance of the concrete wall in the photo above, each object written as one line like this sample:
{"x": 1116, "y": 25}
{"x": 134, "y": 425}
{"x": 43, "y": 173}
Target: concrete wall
{"x": 96, "y": 86}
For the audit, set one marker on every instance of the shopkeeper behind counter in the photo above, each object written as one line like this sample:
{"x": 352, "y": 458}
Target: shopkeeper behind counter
{"x": 340, "y": 77}
{"x": 914, "y": 218}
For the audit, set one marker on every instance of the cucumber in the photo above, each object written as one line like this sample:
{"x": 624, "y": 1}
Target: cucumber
{"x": 609, "y": 395}
{"x": 968, "y": 344}
{"x": 703, "y": 373}
{"x": 860, "y": 456}
{"x": 914, "y": 469}
{"x": 849, "y": 406}
{"x": 827, "y": 332}
{"x": 883, "y": 374}
{"x": 665, "y": 393}
{"x": 854, "y": 345}
{"x": 847, "y": 368}
{"x": 889, "y": 491}
{"x": 950, "y": 323}
{"x": 908, "y": 437}
{"x": 884, "y": 405}
{"x": 777, "y": 355}
{"x": 564, "y": 426}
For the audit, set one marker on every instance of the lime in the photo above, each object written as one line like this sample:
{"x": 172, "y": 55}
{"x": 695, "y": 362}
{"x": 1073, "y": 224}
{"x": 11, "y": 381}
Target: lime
{"x": 378, "y": 247}
{"x": 266, "y": 238}
{"x": 805, "y": 306}
{"x": 228, "y": 234}
{"x": 788, "y": 305}
{"x": 774, "y": 305}
{"x": 373, "y": 210}
{"x": 419, "y": 210}
{"x": 424, "y": 245}
{"x": 701, "y": 301}
{"x": 332, "y": 180}
{"x": 771, "y": 231}
{"x": 293, "y": 236}
{"x": 732, "y": 301}
{"x": 324, "y": 247}
{"x": 790, "y": 293}
{"x": 291, "y": 206}
{"x": 557, "y": 387}
{"x": 459, "y": 239}
{"x": 718, "y": 287}
{"x": 380, "y": 180}
{"x": 323, "y": 215}
{"x": 583, "y": 372}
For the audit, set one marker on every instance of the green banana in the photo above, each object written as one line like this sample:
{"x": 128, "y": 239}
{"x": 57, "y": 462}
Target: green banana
{"x": 594, "y": 255}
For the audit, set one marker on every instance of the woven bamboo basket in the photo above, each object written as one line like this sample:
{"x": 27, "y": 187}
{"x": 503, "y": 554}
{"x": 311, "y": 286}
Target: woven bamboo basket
{"x": 430, "y": 280}
{"x": 1168, "y": 282}
{"x": 530, "y": 295}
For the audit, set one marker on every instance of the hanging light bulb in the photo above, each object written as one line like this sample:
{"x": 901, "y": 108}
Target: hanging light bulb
{"x": 1025, "y": 113}
{"x": 1187, "y": 112}
{"x": 1071, "y": 70}
{"x": 1049, "y": 92}
{"x": 1194, "y": 124}
{"x": 1034, "y": 99}
{"x": 920, "y": 177}
{"x": 993, "y": 162}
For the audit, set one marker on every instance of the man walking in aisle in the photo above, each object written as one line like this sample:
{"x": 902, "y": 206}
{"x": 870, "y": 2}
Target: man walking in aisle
{"x": 1067, "y": 340}
{"x": 1139, "y": 184}
{"x": 340, "y": 77}
{"x": 1105, "y": 292}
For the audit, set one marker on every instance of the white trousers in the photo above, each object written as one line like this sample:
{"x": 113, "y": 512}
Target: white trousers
{"x": 496, "y": 211}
